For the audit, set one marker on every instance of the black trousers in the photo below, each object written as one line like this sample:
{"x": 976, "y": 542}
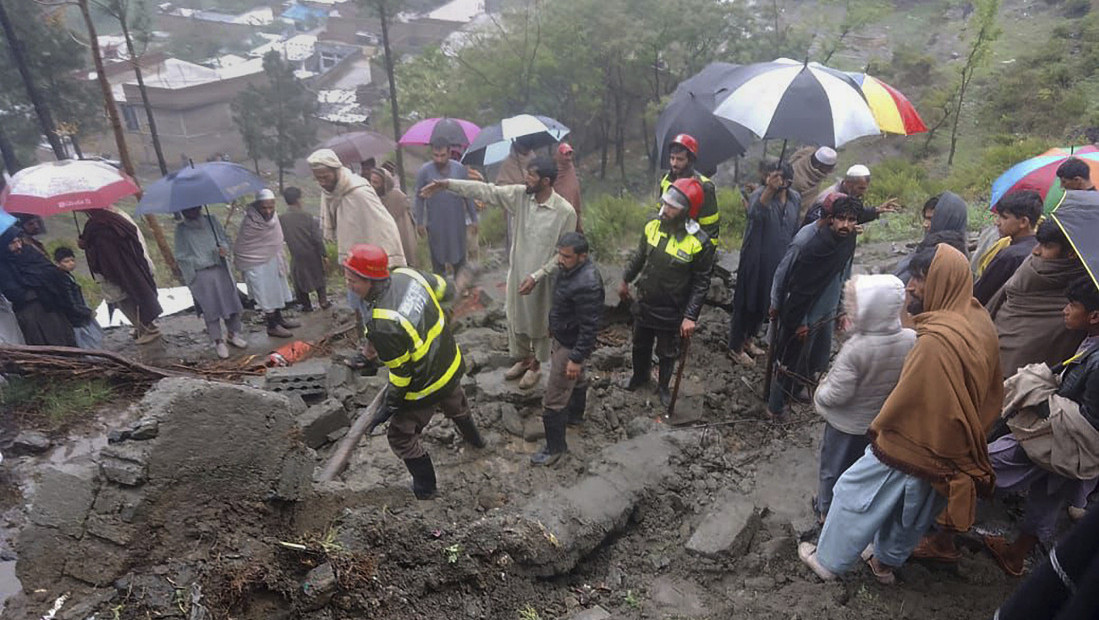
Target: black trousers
{"x": 667, "y": 346}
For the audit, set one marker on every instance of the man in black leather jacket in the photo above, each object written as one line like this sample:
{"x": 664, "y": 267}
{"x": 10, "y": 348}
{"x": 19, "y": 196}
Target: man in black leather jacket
{"x": 672, "y": 267}
{"x": 574, "y": 320}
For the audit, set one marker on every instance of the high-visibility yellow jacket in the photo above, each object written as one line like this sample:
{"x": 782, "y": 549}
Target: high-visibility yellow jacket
{"x": 407, "y": 326}
{"x": 708, "y": 216}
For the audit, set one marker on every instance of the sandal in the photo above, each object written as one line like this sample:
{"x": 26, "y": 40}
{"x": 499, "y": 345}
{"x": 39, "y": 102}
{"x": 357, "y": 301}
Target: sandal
{"x": 997, "y": 546}
{"x": 808, "y": 554}
{"x": 885, "y": 576}
{"x": 925, "y": 550}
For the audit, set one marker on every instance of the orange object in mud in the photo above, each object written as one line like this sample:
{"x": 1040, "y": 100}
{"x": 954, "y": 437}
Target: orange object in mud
{"x": 290, "y": 353}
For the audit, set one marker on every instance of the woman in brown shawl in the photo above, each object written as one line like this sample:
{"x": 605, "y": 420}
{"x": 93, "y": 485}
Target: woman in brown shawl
{"x": 567, "y": 184}
{"x": 398, "y": 205}
{"x": 1028, "y": 309}
{"x": 927, "y": 445}
{"x": 114, "y": 252}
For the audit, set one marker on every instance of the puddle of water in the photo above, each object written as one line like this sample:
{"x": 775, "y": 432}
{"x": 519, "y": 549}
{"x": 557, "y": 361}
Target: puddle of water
{"x": 9, "y": 584}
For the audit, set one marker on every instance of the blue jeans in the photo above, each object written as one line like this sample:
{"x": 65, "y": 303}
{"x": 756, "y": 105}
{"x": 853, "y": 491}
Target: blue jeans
{"x": 874, "y": 502}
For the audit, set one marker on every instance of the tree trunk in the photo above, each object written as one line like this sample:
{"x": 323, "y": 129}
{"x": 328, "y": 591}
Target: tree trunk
{"x": 144, "y": 96}
{"x": 280, "y": 179}
{"x": 45, "y": 119}
{"x": 393, "y": 109}
{"x": 120, "y": 138}
{"x": 7, "y": 151}
{"x": 957, "y": 118}
{"x": 76, "y": 146}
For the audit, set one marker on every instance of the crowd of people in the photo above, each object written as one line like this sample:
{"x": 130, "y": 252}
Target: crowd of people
{"x": 902, "y": 466}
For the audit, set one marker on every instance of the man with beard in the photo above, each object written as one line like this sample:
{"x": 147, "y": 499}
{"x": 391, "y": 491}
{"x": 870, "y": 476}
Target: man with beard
{"x": 772, "y": 222}
{"x": 259, "y": 256}
{"x": 854, "y": 184}
{"x": 540, "y": 216}
{"x": 682, "y": 155}
{"x": 116, "y": 257}
{"x": 442, "y": 219}
{"x": 672, "y": 267}
{"x": 927, "y": 444}
{"x": 812, "y": 269}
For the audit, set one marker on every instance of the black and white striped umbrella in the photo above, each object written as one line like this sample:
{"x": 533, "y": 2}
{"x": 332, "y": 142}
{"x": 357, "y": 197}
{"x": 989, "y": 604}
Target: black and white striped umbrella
{"x": 791, "y": 100}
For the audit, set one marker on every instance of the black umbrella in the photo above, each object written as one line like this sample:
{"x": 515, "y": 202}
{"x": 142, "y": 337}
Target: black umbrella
{"x": 358, "y": 146}
{"x": 493, "y": 144}
{"x": 1078, "y": 217}
{"x": 691, "y": 112}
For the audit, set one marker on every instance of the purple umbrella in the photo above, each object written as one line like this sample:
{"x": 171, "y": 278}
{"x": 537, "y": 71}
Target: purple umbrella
{"x": 453, "y": 130}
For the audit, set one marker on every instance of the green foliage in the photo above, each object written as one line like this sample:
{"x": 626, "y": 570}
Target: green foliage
{"x": 52, "y": 405}
{"x": 276, "y": 120}
{"x": 492, "y": 227}
{"x": 612, "y": 223}
{"x": 528, "y": 612}
{"x": 899, "y": 177}
{"x": 984, "y": 29}
{"x": 734, "y": 218}
{"x": 973, "y": 178}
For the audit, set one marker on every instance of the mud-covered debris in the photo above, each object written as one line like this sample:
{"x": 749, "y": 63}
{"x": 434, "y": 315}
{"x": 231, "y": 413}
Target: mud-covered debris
{"x": 592, "y": 613}
{"x": 727, "y": 529}
{"x": 319, "y": 586}
{"x": 30, "y": 442}
{"x": 321, "y": 420}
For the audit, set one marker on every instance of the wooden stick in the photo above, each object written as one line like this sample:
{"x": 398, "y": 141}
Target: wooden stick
{"x": 678, "y": 377}
{"x": 338, "y": 461}
{"x": 24, "y": 350}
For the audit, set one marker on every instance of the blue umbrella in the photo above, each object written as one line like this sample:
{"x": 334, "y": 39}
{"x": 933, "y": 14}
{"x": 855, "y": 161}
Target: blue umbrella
{"x": 199, "y": 184}
{"x": 6, "y": 221}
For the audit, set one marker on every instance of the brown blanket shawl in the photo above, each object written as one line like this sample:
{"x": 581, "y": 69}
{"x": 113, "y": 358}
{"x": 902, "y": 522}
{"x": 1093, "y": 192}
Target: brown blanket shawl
{"x": 1027, "y": 314}
{"x": 114, "y": 251}
{"x": 933, "y": 425}
{"x": 567, "y": 185}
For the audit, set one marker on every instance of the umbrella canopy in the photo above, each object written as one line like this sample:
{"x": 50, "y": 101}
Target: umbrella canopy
{"x": 1078, "y": 217}
{"x": 1040, "y": 174}
{"x": 453, "y": 130}
{"x": 199, "y": 184}
{"x": 893, "y": 111}
{"x": 67, "y": 185}
{"x": 691, "y": 111}
{"x": 358, "y": 146}
{"x": 790, "y": 100}
{"x": 493, "y": 144}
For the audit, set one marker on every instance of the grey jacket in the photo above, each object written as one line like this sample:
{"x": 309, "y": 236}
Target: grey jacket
{"x": 869, "y": 364}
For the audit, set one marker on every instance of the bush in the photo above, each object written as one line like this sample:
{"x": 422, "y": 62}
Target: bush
{"x": 612, "y": 223}
{"x": 492, "y": 227}
{"x": 973, "y": 179}
{"x": 42, "y": 403}
{"x": 734, "y": 219}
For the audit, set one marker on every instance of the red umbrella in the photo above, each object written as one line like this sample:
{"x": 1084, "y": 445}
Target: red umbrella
{"x": 64, "y": 186}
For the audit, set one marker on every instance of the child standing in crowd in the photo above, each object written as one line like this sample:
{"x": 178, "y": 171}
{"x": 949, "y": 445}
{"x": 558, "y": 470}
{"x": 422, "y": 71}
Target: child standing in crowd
{"x": 862, "y": 376}
{"x": 88, "y": 333}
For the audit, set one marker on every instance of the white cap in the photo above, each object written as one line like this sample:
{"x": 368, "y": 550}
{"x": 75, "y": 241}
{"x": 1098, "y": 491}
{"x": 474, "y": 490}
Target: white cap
{"x": 265, "y": 194}
{"x": 825, "y": 155}
{"x": 858, "y": 171}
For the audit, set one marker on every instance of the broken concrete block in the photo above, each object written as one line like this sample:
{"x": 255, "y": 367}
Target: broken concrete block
{"x": 145, "y": 428}
{"x": 727, "y": 530}
{"x": 30, "y": 442}
{"x": 339, "y": 375}
{"x": 320, "y": 420}
{"x": 493, "y": 386}
{"x": 111, "y": 528}
{"x": 533, "y": 429}
{"x": 63, "y": 498}
{"x": 96, "y": 562}
{"x": 319, "y": 586}
{"x": 125, "y": 463}
{"x": 511, "y": 420}
{"x": 308, "y": 378}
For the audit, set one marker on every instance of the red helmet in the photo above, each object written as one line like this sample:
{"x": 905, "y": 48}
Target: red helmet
{"x": 368, "y": 261}
{"x": 688, "y": 142}
{"x": 691, "y": 189}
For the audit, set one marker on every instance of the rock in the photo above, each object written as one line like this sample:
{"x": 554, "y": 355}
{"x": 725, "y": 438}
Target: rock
{"x": 639, "y": 426}
{"x": 297, "y": 404}
{"x": 124, "y": 463}
{"x": 322, "y": 419}
{"x": 511, "y": 420}
{"x": 145, "y": 428}
{"x": 30, "y": 442}
{"x": 319, "y": 586}
{"x": 533, "y": 429}
{"x": 762, "y": 583}
{"x": 592, "y": 613}
{"x": 727, "y": 264}
{"x": 110, "y": 528}
{"x": 63, "y": 499}
{"x": 96, "y": 562}
{"x": 339, "y": 375}
{"x": 727, "y": 529}
{"x": 344, "y": 395}
{"x": 684, "y": 598}
{"x": 494, "y": 387}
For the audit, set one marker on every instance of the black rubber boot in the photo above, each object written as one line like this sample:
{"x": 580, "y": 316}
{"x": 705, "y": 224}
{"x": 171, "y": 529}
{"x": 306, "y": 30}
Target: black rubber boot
{"x": 664, "y": 379}
{"x": 423, "y": 476}
{"x": 578, "y": 402}
{"x": 642, "y": 364}
{"x": 285, "y": 322}
{"x": 274, "y": 329}
{"x": 469, "y": 432}
{"x": 555, "y": 448}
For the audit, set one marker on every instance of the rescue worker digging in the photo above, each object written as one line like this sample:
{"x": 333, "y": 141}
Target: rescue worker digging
{"x": 683, "y": 153}
{"x": 404, "y": 322}
{"x": 672, "y": 267}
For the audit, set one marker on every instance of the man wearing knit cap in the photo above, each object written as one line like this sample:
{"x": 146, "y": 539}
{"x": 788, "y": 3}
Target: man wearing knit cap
{"x": 854, "y": 184}
{"x": 258, "y": 254}
{"x": 351, "y": 211}
{"x": 811, "y": 166}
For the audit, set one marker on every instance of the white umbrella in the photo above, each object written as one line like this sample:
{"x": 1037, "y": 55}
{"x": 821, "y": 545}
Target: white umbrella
{"x": 67, "y": 185}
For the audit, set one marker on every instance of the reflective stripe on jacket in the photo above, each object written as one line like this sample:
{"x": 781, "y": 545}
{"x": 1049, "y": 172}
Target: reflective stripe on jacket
{"x": 407, "y": 326}
{"x": 708, "y": 216}
{"x": 673, "y": 275}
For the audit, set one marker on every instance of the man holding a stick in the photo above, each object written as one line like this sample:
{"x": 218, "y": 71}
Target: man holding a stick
{"x": 405, "y": 323}
{"x": 672, "y": 268}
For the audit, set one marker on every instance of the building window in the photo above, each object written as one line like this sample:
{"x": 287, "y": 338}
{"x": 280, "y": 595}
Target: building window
{"x": 329, "y": 60}
{"x": 129, "y": 113}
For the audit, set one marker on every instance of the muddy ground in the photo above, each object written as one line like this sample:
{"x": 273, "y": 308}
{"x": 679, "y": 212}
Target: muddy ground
{"x": 641, "y": 520}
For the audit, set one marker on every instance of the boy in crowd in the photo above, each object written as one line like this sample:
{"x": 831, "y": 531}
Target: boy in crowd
{"x": 88, "y": 333}
{"x": 1017, "y": 217}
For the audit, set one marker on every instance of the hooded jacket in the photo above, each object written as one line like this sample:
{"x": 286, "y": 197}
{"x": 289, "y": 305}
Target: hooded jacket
{"x": 869, "y": 364}
{"x": 949, "y": 225}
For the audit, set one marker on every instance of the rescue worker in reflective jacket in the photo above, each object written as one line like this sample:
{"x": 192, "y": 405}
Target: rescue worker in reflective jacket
{"x": 682, "y": 155}
{"x": 672, "y": 267}
{"x": 404, "y": 322}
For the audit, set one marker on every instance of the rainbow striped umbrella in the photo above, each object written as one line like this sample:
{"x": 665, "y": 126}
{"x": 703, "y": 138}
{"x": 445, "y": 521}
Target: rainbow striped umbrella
{"x": 893, "y": 111}
{"x": 1040, "y": 174}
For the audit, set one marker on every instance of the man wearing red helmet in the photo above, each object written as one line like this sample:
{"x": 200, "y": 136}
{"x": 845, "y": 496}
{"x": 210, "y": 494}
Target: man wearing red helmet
{"x": 406, "y": 324}
{"x": 682, "y": 155}
{"x": 672, "y": 267}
